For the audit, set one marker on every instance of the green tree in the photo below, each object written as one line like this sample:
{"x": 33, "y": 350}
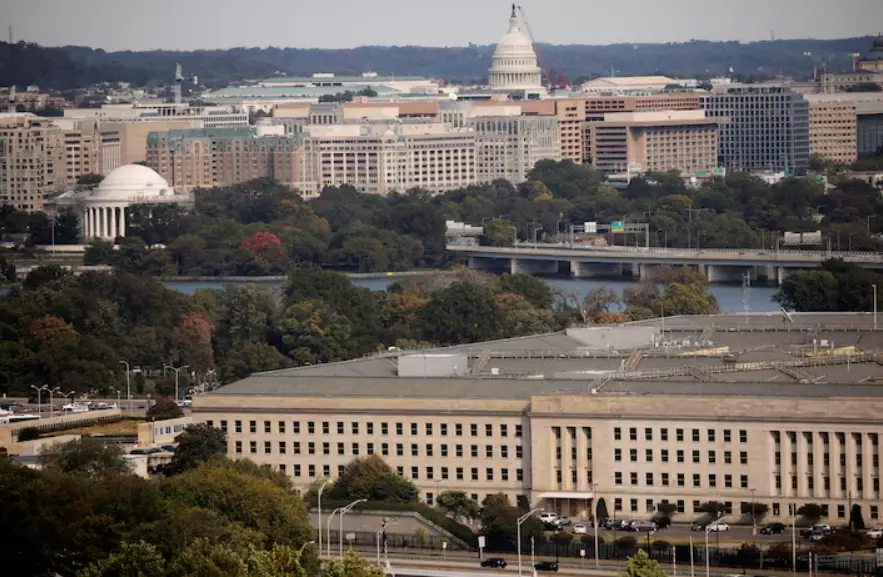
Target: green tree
{"x": 640, "y": 565}
{"x": 206, "y": 559}
{"x": 760, "y": 510}
{"x": 85, "y": 456}
{"x": 499, "y": 524}
{"x": 458, "y": 504}
{"x": 498, "y": 232}
{"x": 856, "y": 520}
{"x": 196, "y": 445}
{"x": 534, "y": 290}
{"x": 812, "y": 512}
{"x": 352, "y": 565}
{"x": 712, "y": 508}
{"x": 602, "y": 510}
{"x": 28, "y": 434}
{"x": 133, "y": 560}
{"x": 371, "y": 478}
{"x": 244, "y": 358}
{"x": 278, "y": 561}
{"x": 461, "y": 313}
{"x": 164, "y": 409}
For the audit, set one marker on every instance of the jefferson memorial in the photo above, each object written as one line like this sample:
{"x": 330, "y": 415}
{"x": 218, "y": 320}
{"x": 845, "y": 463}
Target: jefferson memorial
{"x": 102, "y": 210}
{"x": 514, "y": 63}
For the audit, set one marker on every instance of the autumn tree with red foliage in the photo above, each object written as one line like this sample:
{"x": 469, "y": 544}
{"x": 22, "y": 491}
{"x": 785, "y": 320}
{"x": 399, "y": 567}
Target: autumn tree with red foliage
{"x": 266, "y": 250}
{"x": 49, "y": 327}
{"x": 193, "y": 342}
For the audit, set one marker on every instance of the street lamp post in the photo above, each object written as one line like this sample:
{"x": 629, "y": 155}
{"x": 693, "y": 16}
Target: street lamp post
{"x": 521, "y": 520}
{"x": 39, "y": 401}
{"x": 707, "y": 556}
{"x": 382, "y": 534}
{"x": 177, "y": 370}
{"x": 321, "y": 489}
{"x": 129, "y": 388}
{"x": 330, "y": 518}
{"x": 51, "y": 403}
{"x": 595, "y": 522}
{"x": 875, "y": 306}
{"x": 304, "y": 546}
{"x": 343, "y": 512}
{"x": 753, "y": 518}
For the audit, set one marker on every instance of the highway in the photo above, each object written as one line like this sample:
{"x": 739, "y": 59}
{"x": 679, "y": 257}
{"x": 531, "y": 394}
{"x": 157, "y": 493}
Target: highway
{"x": 620, "y": 254}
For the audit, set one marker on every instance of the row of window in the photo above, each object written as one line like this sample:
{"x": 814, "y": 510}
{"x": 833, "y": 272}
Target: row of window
{"x": 650, "y": 507}
{"x": 711, "y": 456}
{"x": 826, "y": 483}
{"x": 312, "y": 448}
{"x": 826, "y": 459}
{"x": 696, "y": 434}
{"x": 665, "y": 479}
{"x": 355, "y": 428}
{"x": 444, "y": 473}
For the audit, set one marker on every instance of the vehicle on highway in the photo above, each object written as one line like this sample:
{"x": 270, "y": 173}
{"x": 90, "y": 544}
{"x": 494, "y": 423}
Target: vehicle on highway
{"x": 609, "y": 524}
{"x": 816, "y": 536}
{"x": 717, "y": 527}
{"x": 772, "y": 529}
{"x": 816, "y": 532}
{"x": 546, "y": 566}
{"x": 494, "y": 562}
{"x": 697, "y": 527}
{"x": 580, "y": 529}
{"x": 875, "y": 533}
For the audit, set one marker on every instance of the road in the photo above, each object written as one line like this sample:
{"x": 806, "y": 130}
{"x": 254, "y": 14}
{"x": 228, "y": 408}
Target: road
{"x": 677, "y": 534}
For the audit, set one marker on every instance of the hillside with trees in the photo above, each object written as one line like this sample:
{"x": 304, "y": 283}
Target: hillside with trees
{"x": 69, "y": 67}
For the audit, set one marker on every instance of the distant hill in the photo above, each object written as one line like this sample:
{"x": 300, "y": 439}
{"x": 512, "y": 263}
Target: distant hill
{"x": 73, "y": 66}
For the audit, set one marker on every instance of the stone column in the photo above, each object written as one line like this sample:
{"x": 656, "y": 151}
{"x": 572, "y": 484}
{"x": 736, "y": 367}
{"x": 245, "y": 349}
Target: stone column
{"x": 114, "y": 211}
{"x": 84, "y": 222}
{"x": 123, "y": 221}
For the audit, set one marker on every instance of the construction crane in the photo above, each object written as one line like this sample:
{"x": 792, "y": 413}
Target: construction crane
{"x": 554, "y": 83}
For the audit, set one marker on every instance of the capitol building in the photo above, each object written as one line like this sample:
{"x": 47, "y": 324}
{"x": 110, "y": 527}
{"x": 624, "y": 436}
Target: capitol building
{"x": 514, "y": 66}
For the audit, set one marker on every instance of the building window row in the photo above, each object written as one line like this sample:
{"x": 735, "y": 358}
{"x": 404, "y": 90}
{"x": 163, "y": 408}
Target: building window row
{"x": 695, "y": 435}
{"x": 369, "y": 428}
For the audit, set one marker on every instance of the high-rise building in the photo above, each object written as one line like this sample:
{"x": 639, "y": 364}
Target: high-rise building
{"x": 31, "y": 160}
{"x": 510, "y": 146}
{"x": 832, "y": 127}
{"x": 381, "y": 157}
{"x": 203, "y": 158}
{"x": 90, "y": 149}
{"x": 768, "y": 128}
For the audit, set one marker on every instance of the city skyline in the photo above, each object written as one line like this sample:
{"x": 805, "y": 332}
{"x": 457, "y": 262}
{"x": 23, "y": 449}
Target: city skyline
{"x": 219, "y": 24}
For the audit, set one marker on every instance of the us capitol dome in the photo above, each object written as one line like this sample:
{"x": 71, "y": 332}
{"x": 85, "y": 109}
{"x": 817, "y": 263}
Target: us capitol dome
{"x": 514, "y": 63}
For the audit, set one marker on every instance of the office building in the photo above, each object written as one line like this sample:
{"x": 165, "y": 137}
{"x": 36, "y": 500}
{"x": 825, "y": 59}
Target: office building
{"x": 31, "y": 160}
{"x": 204, "y": 158}
{"x": 686, "y": 141}
{"x": 89, "y": 149}
{"x": 869, "y": 125}
{"x": 768, "y": 128}
{"x": 631, "y": 414}
{"x": 629, "y": 84}
{"x": 832, "y": 127}
{"x": 381, "y": 157}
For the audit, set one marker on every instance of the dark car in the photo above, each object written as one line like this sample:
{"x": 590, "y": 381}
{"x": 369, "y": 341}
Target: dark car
{"x": 494, "y": 562}
{"x": 772, "y": 529}
{"x": 546, "y": 566}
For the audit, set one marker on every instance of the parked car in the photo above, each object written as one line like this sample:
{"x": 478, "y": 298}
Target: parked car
{"x": 875, "y": 533}
{"x": 581, "y": 529}
{"x": 697, "y": 527}
{"x": 717, "y": 527}
{"x": 642, "y": 526}
{"x": 547, "y": 517}
{"x": 494, "y": 562}
{"x": 610, "y": 523}
{"x": 562, "y": 521}
{"x": 816, "y": 535}
{"x": 772, "y": 529}
{"x": 546, "y": 566}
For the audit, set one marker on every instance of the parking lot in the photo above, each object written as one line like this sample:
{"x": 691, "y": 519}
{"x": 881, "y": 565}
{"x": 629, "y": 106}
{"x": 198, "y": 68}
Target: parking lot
{"x": 681, "y": 533}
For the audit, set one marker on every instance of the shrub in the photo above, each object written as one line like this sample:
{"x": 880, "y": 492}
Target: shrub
{"x": 28, "y": 434}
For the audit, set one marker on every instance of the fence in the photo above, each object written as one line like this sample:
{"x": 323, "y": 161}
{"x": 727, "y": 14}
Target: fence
{"x": 394, "y": 541}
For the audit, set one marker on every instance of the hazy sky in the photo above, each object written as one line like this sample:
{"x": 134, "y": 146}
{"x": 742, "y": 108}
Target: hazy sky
{"x": 193, "y": 24}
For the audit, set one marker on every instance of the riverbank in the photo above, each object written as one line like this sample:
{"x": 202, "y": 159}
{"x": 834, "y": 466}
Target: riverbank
{"x": 283, "y": 278}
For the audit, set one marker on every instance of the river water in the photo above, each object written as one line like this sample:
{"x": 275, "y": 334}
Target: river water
{"x": 730, "y": 298}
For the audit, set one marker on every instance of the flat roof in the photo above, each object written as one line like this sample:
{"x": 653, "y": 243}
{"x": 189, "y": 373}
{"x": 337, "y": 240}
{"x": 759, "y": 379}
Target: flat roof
{"x": 762, "y": 355}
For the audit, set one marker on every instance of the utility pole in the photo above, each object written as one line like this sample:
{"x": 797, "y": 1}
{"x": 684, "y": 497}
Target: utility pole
{"x": 746, "y": 298}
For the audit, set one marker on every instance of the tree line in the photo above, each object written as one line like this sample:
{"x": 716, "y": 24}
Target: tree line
{"x": 72, "y": 67}
{"x": 85, "y": 514}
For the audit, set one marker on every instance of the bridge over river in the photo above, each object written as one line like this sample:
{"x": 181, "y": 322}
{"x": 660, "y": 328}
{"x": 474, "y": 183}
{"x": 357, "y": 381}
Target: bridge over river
{"x": 720, "y": 265}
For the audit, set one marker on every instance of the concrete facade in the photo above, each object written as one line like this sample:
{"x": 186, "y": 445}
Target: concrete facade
{"x": 517, "y": 424}
{"x": 89, "y": 149}
{"x": 832, "y": 127}
{"x": 768, "y": 128}
{"x": 32, "y": 164}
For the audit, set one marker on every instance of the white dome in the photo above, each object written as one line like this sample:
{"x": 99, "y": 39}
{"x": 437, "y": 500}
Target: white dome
{"x": 132, "y": 180}
{"x": 514, "y": 63}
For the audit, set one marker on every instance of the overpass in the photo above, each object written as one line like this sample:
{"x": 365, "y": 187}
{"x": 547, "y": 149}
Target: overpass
{"x": 719, "y": 265}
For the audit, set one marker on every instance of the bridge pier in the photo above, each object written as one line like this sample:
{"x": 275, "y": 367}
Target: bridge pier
{"x": 530, "y": 266}
{"x": 595, "y": 269}
{"x": 489, "y": 264}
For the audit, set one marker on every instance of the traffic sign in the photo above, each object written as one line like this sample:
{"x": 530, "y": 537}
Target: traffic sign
{"x": 617, "y": 226}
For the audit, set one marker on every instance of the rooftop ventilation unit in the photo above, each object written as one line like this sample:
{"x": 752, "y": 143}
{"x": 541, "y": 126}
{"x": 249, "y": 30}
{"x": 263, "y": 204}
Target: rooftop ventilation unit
{"x": 434, "y": 365}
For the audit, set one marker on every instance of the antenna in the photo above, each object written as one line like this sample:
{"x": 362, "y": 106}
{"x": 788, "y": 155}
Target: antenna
{"x": 179, "y": 79}
{"x": 10, "y": 34}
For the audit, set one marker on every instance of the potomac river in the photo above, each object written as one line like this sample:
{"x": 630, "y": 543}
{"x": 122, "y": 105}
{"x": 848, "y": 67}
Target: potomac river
{"x": 729, "y": 297}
